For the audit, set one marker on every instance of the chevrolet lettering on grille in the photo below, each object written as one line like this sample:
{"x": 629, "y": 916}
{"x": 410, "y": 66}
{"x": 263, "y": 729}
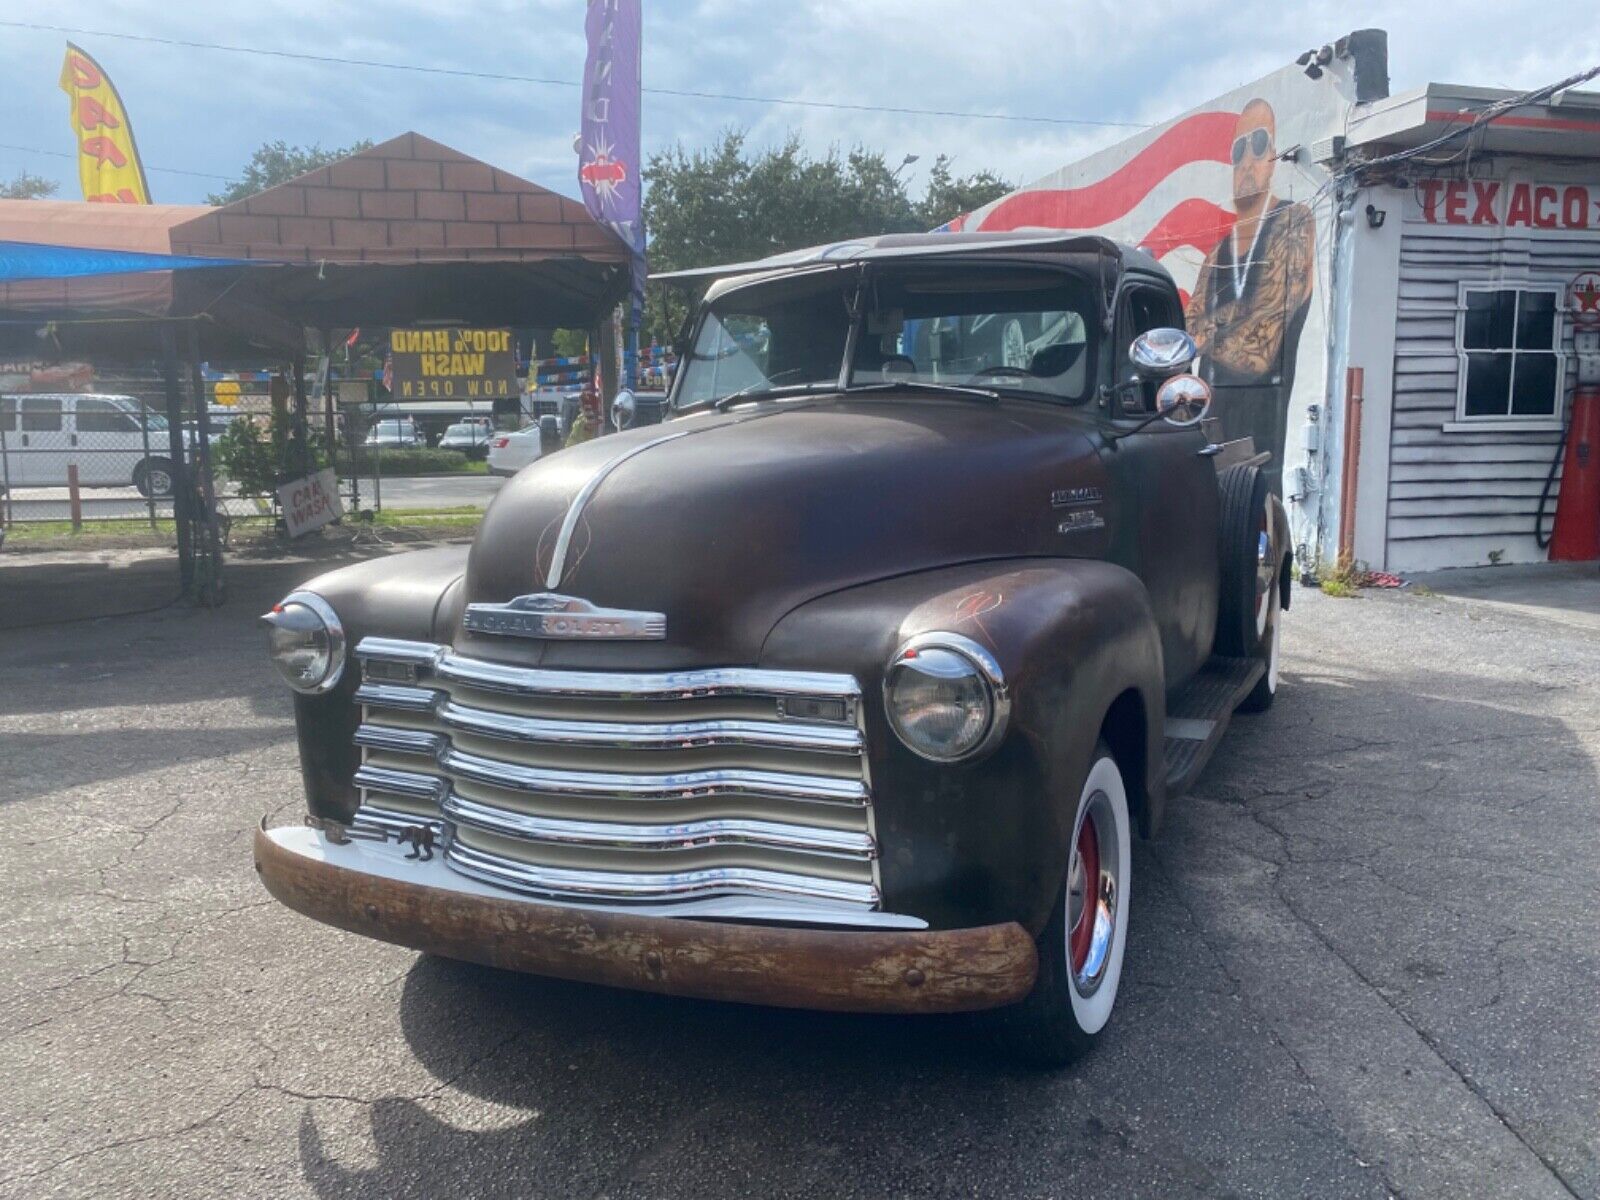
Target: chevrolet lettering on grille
{"x": 568, "y": 618}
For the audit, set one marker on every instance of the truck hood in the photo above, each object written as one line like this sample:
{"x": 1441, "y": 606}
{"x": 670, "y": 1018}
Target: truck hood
{"x": 725, "y": 522}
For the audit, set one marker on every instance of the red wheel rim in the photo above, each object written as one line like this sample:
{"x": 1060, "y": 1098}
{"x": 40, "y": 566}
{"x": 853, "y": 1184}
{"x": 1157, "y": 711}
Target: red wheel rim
{"x": 1088, "y": 878}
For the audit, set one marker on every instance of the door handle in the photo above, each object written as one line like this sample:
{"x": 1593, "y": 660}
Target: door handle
{"x": 24, "y": 439}
{"x": 72, "y": 439}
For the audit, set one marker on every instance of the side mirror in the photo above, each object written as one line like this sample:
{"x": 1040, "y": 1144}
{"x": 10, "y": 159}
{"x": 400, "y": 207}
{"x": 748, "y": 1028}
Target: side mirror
{"x": 1163, "y": 352}
{"x": 1184, "y": 400}
{"x": 624, "y": 410}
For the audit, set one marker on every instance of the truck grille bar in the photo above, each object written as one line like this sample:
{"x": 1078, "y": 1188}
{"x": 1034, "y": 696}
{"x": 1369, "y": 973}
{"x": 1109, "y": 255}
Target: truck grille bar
{"x": 623, "y": 788}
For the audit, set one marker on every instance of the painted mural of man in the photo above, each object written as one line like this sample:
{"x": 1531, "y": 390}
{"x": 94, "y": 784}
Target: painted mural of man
{"x": 1255, "y": 288}
{"x": 1253, "y": 295}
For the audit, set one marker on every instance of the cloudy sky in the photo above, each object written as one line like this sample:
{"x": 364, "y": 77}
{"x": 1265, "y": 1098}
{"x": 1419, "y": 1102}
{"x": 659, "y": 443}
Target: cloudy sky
{"x": 1138, "y": 62}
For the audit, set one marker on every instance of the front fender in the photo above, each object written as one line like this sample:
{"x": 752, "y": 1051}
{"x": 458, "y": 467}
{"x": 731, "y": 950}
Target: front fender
{"x": 402, "y": 596}
{"x": 988, "y": 841}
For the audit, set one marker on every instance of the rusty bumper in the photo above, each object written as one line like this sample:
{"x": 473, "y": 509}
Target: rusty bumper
{"x": 920, "y": 971}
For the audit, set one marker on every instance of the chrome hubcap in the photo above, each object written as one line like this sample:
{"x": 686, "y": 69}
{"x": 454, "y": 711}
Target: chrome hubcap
{"x": 1092, "y": 895}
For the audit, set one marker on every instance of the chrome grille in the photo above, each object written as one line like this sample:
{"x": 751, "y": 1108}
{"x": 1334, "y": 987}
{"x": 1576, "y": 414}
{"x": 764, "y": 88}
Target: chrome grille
{"x": 621, "y": 787}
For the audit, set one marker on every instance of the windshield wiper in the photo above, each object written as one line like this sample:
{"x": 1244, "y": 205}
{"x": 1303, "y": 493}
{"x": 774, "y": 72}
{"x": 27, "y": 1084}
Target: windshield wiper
{"x": 760, "y": 391}
{"x": 948, "y": 389}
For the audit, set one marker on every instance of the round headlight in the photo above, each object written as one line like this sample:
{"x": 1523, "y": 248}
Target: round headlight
{"x": 306, "y": 641}
{"x": 945, "y": 697}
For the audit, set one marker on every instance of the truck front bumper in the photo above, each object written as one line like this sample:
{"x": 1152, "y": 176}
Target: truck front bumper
{"x": 374, "y": 890}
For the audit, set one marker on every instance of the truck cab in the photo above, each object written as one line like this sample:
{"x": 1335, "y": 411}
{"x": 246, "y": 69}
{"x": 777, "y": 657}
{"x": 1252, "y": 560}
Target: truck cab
{"x": 847, "y": 686}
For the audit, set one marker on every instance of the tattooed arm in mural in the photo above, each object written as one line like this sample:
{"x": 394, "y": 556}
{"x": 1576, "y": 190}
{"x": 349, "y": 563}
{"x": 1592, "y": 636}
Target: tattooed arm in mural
{"x": 1246, "y": 335}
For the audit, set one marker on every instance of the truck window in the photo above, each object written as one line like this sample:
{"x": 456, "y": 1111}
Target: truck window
{"x": 1144, "y": 309}
{"x": 41, "y": 414}
{"x": 101, "y": 416}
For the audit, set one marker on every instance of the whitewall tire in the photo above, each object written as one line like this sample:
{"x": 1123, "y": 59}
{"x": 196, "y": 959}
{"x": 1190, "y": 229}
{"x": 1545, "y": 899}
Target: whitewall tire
{"x": 1082, "y": 945}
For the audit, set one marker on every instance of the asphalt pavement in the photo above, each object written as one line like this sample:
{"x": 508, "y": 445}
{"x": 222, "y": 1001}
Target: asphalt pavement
{"x": 1363, "y": 961}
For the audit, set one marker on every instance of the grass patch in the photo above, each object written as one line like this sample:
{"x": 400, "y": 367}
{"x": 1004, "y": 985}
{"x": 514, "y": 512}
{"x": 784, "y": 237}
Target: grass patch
{"x": 1340, "y": 589}
{"x": 135, "y": 532}
{"x": 39, "y": 531}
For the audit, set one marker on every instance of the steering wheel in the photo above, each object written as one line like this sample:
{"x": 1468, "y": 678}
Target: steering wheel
{"x": 1010, "y": 372}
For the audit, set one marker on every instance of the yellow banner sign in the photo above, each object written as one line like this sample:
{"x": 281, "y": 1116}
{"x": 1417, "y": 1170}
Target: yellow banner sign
{"x": 453, "y": 364}
{"x": 108, "y": 161}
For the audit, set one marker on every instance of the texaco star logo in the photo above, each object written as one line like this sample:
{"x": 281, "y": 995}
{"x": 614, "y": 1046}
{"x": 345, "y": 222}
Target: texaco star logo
{"x": 602, "y": 172}
{"x": 1583, "y": 299}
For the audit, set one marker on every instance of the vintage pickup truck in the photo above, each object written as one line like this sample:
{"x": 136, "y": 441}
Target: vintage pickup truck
{"x": 846, "y": 687}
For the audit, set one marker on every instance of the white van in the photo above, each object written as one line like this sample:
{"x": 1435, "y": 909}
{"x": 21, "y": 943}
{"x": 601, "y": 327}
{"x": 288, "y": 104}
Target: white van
{"x": 114, "y": 440}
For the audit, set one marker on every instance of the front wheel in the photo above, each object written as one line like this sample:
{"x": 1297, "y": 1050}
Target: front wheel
{"x": 1081, "y": 947}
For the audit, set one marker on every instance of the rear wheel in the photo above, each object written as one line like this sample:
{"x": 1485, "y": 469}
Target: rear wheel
{"x": 1081, "y": 947}
{"x": 1266, "y": 689}
{"x": 1247, "y": 558}
{"x": 153, "y": 478}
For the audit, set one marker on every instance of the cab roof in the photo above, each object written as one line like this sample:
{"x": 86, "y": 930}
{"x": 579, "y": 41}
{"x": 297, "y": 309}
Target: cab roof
{"x": 925, "y": 245}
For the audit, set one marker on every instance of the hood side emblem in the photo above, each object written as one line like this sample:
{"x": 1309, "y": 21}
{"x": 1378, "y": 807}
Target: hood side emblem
{"x": 564, "y": 618}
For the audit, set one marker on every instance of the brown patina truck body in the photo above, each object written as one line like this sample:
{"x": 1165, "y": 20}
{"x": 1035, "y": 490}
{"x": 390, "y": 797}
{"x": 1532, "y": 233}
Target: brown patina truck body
{"x": 637, "y": 734}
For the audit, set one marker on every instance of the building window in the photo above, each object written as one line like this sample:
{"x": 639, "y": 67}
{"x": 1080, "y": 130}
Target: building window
{"x": 1509, "y": 340}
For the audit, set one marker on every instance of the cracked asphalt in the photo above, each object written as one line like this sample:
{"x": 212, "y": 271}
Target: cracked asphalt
{"x": 1365, "y": 960}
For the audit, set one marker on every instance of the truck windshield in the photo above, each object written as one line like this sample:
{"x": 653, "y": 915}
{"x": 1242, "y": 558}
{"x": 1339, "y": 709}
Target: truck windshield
{"x": 1006, "y": 329}
{"x": 779, "y": 334}
{"x": 1001, "y": 328}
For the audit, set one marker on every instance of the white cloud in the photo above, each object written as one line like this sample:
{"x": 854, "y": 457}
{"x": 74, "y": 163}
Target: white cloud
{"x": 1103, "y": 60}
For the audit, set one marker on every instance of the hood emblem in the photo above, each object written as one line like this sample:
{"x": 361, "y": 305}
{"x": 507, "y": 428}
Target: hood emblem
{"x": 564, "y": 618}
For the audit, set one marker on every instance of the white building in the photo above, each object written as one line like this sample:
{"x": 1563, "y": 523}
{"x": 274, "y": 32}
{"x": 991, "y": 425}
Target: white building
{"x": 1316, "y": 223}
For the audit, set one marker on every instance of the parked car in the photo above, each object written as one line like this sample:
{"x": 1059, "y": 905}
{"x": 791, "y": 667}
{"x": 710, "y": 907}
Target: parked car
{"x": 510, "y": 452}
{"x": 395, "y": 433}
{"x": 114, "y": 441}
{"x": 470, "y": 437}
{"x": 848, "y": 687}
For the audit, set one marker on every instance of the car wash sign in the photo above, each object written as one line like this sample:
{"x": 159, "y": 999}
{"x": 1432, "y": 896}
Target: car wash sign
{"x": 453, "y": 364}
{"x": 1506, "y": 205}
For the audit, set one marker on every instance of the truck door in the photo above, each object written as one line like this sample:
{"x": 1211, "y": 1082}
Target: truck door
{"x": 108, "y": 441}
{"x": 42, "y": 460}
{"x": 1166, "y": 526}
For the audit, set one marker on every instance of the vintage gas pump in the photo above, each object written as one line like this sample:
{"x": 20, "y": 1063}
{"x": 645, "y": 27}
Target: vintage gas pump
{"x": 1576, "y": 535}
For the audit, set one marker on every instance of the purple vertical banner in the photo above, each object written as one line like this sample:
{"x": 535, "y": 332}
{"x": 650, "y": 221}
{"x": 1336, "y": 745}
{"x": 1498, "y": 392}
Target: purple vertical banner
{"x": 608, "y": 151}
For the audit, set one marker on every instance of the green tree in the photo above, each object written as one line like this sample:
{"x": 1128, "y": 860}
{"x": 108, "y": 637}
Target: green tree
{"x": 724, "y": 204}
{"x": 948, "y": 196}
{"x": 24, "y": 186}
{"x": 278, "y": 162}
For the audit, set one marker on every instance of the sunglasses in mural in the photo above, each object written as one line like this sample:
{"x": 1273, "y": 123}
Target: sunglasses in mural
{"x": 1258, "y": 141}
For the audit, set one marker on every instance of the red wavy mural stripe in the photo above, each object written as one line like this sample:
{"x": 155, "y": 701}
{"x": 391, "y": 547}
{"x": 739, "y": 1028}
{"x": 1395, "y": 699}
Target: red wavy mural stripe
{"x": 1204, "y": 137}
{"x": 1192, "y": 222}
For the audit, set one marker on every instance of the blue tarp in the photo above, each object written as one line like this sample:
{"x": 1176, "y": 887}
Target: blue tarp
{"x": 31, "y": 260}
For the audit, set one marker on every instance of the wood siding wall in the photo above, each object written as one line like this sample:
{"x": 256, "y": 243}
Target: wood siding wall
{"x": 1466, "y": 498}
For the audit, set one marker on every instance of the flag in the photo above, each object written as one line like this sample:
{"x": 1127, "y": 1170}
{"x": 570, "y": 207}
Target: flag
{"x": 608, "y": 151}
{"x": 1155, "y": 192}
{"x": 108, "y": 161}
{"x": 388, "y": 370}
{"x": 350, "y": 342}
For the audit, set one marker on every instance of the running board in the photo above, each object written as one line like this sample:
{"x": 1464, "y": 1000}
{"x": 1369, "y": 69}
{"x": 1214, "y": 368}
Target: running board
{"x": 1198, "y": 715}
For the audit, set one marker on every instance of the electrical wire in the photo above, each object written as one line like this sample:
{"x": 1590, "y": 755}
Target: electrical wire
{"x": 505, "y": 77}
{"x": 73, "y": 154}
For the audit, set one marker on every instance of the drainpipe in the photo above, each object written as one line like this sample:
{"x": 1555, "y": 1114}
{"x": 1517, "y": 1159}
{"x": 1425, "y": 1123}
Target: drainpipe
{"x": 1353, "y": 380}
